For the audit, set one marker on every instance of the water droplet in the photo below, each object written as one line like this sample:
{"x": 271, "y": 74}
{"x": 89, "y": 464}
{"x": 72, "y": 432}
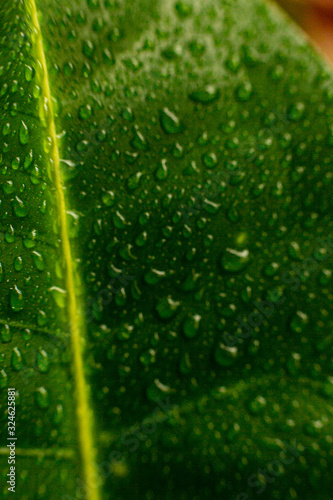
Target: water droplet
{"x": 206, "y": 95}
{"x": 210, "y": 161}
{"x": 6, "y": 333}
{"x": 16, "y": 360}
{"x": 161, "y": 172}
{"x": 296, "y": 111}
{"x": 167, "y": 307}
{"x": 108, "y": 198}
{"x": 185, "y": 365}
{"x": 18, "y": 264}
{"x": 16, "y": 299}
{"x": 24, "y": 134}
{"x": 154, "y": 276}
{"x": 3, "y": 379}
{"x": 294, "y": 251}
{"x": 29, "y": 73}
{"x": 38, "y": 260}
{"x": 119, "y": 220}
{"x": 85, "y": 111}
{"x": 139, "y": 142}
{"x": 244, "y": 91}
{"x": 20, "y": 209}
{"x": 88, "y": 48}
{"x": 10, "y": 235}
{"x": 225, "y": 356}
{"x": 59, "y": 296}
{"x": 299, "y": 322}
{"x": 170, "y": 122}
{"x": 42, "y": 360}
{"x": 257, "y": 405}
{"x": 191, "y": 326}
{"x": 58, "y": 415}
{"x": 42, "y": 397}
{"x": 234, "y": 261}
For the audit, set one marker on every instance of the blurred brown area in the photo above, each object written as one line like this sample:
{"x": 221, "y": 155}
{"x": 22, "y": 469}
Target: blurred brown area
{"x": 316, "y": 18}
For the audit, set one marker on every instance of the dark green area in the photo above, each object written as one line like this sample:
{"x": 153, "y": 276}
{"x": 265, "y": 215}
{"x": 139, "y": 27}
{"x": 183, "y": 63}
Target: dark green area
{"x": 197, "y": 144}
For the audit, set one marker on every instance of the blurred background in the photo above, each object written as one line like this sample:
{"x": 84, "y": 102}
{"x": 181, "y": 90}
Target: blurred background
{"x": 316, "y": 18}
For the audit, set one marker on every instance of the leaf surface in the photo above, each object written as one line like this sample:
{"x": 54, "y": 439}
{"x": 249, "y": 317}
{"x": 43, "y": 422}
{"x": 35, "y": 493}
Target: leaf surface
{"x": 165, "y": 251}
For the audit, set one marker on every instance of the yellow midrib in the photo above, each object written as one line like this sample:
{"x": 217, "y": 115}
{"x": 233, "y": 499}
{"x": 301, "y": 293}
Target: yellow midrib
{"x": 82, "y": 406}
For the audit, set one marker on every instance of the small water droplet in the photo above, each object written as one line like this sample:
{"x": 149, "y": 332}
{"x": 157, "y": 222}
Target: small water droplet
{"x": 167, "y": 307}
{"x": 191, "y": 326}
{"x": 16, "y": 299}
{"x": 24, "y": 134}
{"x": 42, "y": 397}
{"x": 299, "y": 322}
{"x": 6, "y": 333}
{"x": 59, "y": 296}
{"x": 16, "y": 359}
{"x": 257, "y": 405}
{"x": 42, "y": 360}
{"x": 38, "y": 260}
{"x": 3, "y": 379}
{"x": 234, "y": 261}
{"x": 225, "y": 356}
{"x": 206, "y": 95}
{"x": 170, "y": 122}
{"x": 20, "y": 208}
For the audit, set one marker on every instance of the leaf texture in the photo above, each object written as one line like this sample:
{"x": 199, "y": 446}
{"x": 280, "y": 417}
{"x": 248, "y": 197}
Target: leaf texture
{"x": 166, "y": 244}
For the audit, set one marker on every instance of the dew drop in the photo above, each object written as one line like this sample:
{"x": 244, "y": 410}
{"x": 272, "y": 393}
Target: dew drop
{"x": 42, "y": 360}
{"x": 3, "y": 379}
{"x": 170, "y": 123}
{"x": 20, "y": 209}
{"x": 154, "y": 276}
{"x": 42, "y": 397}
{"x": 167, "y": 307}
{"x": 6, "y": 334}
{"x": 18, "y": 264}
{"x": 59, "y": 295}
{"x": 299, "y": 322}
{"x": 38, "y": 260}
{"x": 191, "y": 326}
{"x": 206, "y": 95}
{"x": 161, "y": 172}
{"x": 257, "y": 405}
{"x": 58, "y": 415}
{"x": 234, "y": 261}
{"x": 108, "y": 198}
{"x": 24, "y": 134}
{"x": 185, "y": 365}
{"x": 16, "y": 299}
{"x": 224, "y": 355}
{"x": 16, "y": 359}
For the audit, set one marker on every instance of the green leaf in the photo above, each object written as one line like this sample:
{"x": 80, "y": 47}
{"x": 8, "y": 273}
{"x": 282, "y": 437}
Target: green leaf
{"x": 165, "y": 251}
